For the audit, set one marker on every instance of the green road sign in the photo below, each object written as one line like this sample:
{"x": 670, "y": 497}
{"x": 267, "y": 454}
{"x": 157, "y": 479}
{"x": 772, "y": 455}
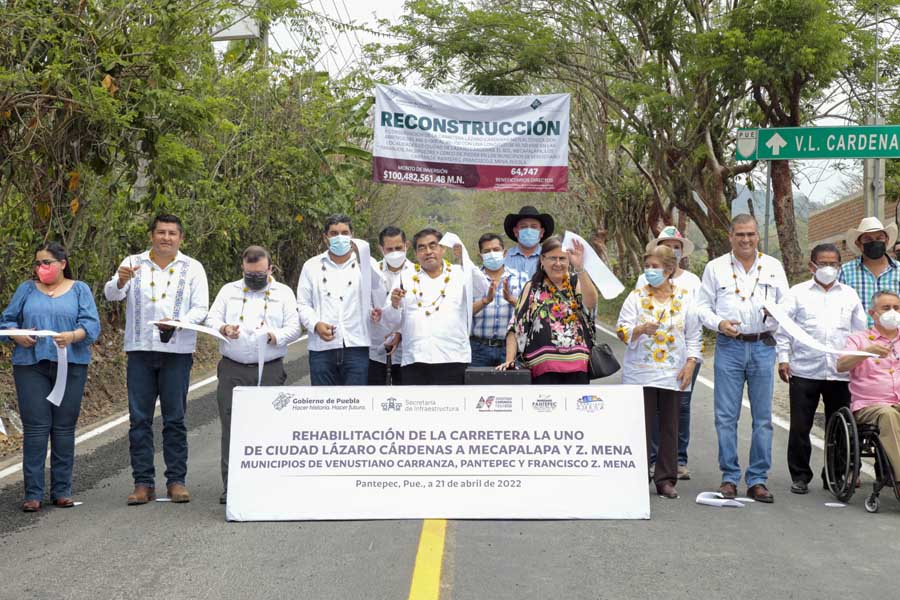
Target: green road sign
{"x": 811, "y": 143}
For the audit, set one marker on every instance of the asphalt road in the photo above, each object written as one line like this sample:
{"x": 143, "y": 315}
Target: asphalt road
{"x": 796, "y": 548}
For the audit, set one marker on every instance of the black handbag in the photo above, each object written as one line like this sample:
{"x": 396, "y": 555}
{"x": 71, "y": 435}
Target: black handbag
{"x": 603, "y": 362}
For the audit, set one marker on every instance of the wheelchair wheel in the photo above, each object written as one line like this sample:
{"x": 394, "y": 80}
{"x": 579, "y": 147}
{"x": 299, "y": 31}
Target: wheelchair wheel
{"x": 842, "y": 454}
{"x": 872, "y": 503}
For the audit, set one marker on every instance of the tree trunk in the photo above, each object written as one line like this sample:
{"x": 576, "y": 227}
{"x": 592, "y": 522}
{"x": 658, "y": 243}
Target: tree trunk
{"x": 786, "y": 225}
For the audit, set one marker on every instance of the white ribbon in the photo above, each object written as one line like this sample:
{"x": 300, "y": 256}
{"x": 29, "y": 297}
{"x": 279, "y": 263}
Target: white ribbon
{"x": 262, "y": 338}
{"x": 716, "y": 499}
{"x": 192, "y": 327}
{"x": 365, "y": 277}
{"x": 62, "y": 363}
{"x": 607, "y": 283}
{"x": 450, "y": 240}
{"x": 800, "y": 335}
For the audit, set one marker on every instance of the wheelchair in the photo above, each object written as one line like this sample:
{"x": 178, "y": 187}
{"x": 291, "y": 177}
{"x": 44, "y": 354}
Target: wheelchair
{"x": 846, "y": 444}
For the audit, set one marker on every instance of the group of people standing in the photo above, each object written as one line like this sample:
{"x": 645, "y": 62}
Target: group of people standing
{"x": 372, "y": 322}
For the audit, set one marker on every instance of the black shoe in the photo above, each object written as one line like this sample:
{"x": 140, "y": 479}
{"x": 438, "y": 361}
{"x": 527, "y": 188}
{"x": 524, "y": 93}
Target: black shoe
{"x": 799, "y": 487}
{"x": 223, "y": 499}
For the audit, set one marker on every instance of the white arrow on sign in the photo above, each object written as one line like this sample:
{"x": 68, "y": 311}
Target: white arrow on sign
{"x": 776, "y": 143}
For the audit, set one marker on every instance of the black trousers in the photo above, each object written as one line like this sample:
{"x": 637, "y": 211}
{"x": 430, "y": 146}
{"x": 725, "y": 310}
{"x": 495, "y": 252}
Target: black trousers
{"x": 378, "y": 373}
{"x": 665, "y": 403}
{"x": 434, "y": 374}
{"x": 551, "y": 378}
{"x": 804, "y": 394}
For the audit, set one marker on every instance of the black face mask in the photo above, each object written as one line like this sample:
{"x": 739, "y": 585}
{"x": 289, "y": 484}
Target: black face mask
{"x": 874, "y": 250}
{"x": 256, "y": 281}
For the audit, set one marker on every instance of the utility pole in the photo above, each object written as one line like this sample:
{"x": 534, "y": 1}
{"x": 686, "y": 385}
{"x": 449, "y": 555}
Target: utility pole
{"x": 873, "y": 168}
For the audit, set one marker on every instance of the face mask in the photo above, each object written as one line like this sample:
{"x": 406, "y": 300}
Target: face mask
{"x": 529, "y": 237}
{"x": 826, "y": 275}
{"x": 654, "y": 277}
{"x": 396, "y": 259}
{"x": 256, "y": 281}
{"x": 890, "y": 319}
{"x": 873, "y": 250}
{"x": 48, "y": 273}
{"x": 339, "y": 245}
{"x": 492, "y": 260}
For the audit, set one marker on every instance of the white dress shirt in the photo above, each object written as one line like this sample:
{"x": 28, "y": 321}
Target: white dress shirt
{"x": 656, "y": 360}
{"x": 332, "y": 293}
{"x": 441, "y": 336}
{"x": 729, "y": 293}
{"x": 276, "y": 312}
{"x": 179, "y": 291}
{"x": 830, "y": 316}
{"x": 686, "y": 281}
{"x": 390, "y": 280}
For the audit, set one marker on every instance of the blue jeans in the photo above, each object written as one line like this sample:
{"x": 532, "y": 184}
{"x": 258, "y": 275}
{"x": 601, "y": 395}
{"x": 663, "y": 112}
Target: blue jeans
{"x": 42, "y": 422}
{"x": 737, "y": 362}
{"x": 168, "y": 376}
{"x": 487, "y": 356}
{"x": 341, "y": 366}
{"x": 684, "y": 425}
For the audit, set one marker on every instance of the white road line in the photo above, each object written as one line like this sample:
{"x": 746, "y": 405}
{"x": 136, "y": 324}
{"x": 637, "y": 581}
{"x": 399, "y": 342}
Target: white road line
{"x": 101, "y": 429}
{"x": 814, "y": 439}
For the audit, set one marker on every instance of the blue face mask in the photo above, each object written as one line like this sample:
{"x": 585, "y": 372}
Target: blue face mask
{"x": 339, "y": 245}
{"x": 492, "y": 260}
{"x": 529, "y": 237}
{"x": 654, "y": 277}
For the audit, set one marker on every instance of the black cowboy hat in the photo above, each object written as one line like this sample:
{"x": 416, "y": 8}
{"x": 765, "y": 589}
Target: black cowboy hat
{"x": 528, "y": 212}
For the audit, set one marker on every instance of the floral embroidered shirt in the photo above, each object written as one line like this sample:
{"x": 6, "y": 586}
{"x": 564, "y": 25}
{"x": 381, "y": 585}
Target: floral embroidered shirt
{"x": 655, "y": 360}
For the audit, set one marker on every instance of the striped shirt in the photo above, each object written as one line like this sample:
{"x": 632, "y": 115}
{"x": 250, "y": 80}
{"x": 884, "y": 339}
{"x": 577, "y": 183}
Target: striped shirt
{"x": 493, "y": 320}
{"x": 861, "y": 279}
{"x": 517, "y": 261}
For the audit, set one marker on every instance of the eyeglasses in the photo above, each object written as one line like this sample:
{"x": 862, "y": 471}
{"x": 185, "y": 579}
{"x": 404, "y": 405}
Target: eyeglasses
{"x": 432, "y": 246}
{"x": 45, "y": 262}
{"x": 556, "y": 259}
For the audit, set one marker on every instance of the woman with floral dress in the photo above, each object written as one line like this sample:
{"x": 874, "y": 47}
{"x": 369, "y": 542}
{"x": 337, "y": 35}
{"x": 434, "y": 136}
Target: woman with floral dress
{"x": 660, "y": 326}
{"x": 548, "y": 327}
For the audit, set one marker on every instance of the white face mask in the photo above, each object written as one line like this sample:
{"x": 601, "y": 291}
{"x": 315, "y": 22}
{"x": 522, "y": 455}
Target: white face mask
{"x": 395, "y": 259}
{"x": 890, "y": 319}
{"x": 826, "y": 275}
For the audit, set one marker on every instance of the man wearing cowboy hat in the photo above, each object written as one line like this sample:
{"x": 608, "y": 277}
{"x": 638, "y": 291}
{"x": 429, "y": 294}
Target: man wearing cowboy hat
{"x": 528, "y": 228}
{"x": 683, "y": 247}
{"x": 874, "y": 270}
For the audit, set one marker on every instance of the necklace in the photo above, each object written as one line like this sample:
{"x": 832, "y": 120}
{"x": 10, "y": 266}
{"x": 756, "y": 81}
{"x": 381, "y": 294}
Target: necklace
{"x": 417, "y": 294}
{"x": 328, "y": 290}
{"x": 755, "y": 283}
{"x": 266, "y": 295}
{"x": 153, "y": 268}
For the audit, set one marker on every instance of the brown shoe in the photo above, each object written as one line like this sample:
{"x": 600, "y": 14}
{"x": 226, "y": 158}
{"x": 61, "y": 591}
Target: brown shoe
{"x": 666, "y": 489}
{"x": 760, "y": 493}
{"x": 178, "y": 493}
{"x": 64, "y": 503}
{"x": 728, "y": 490}
{"x": 31, "y": 506}
{"x": 142, "y": 494}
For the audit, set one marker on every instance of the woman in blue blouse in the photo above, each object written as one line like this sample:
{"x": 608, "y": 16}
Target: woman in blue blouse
{"x": 56, "y": 302}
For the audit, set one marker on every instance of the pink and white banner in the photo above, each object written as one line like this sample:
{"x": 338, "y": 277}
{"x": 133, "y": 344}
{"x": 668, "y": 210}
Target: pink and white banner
{"x": 508, "y": 143}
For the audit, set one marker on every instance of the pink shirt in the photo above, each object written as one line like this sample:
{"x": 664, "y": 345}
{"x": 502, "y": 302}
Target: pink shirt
{"x": 875, "y": 380}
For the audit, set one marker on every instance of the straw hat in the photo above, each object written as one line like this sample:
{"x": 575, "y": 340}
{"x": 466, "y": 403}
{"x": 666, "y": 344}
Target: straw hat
{"x": 868, "y": 225}
{"x": 671, "y": 233}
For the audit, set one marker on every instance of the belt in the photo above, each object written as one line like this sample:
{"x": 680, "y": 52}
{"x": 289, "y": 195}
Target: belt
{"x": 754, "y": 337}
{"x": 274, "y": 360}
{"x": 488, "y": 342}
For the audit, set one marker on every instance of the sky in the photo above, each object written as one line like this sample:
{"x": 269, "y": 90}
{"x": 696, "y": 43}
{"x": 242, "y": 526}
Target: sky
{"x": 821, "y": 181}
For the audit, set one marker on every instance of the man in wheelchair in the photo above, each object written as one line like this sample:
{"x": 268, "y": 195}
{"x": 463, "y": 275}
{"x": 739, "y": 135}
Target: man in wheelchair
{"x": 875, "y": 381}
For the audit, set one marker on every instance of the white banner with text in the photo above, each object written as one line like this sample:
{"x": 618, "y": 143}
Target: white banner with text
{"x": 462, "y": 452}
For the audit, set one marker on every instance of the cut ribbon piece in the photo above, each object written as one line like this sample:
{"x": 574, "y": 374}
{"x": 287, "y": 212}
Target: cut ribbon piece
{"x": 262, "y": 338}
{"x": 607, "y": 283}
{"x": 192, "y": 327}
{"x": 62, "y": 362}
{"x": 450, "y": 240}
{"x": 798, "y": 333}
